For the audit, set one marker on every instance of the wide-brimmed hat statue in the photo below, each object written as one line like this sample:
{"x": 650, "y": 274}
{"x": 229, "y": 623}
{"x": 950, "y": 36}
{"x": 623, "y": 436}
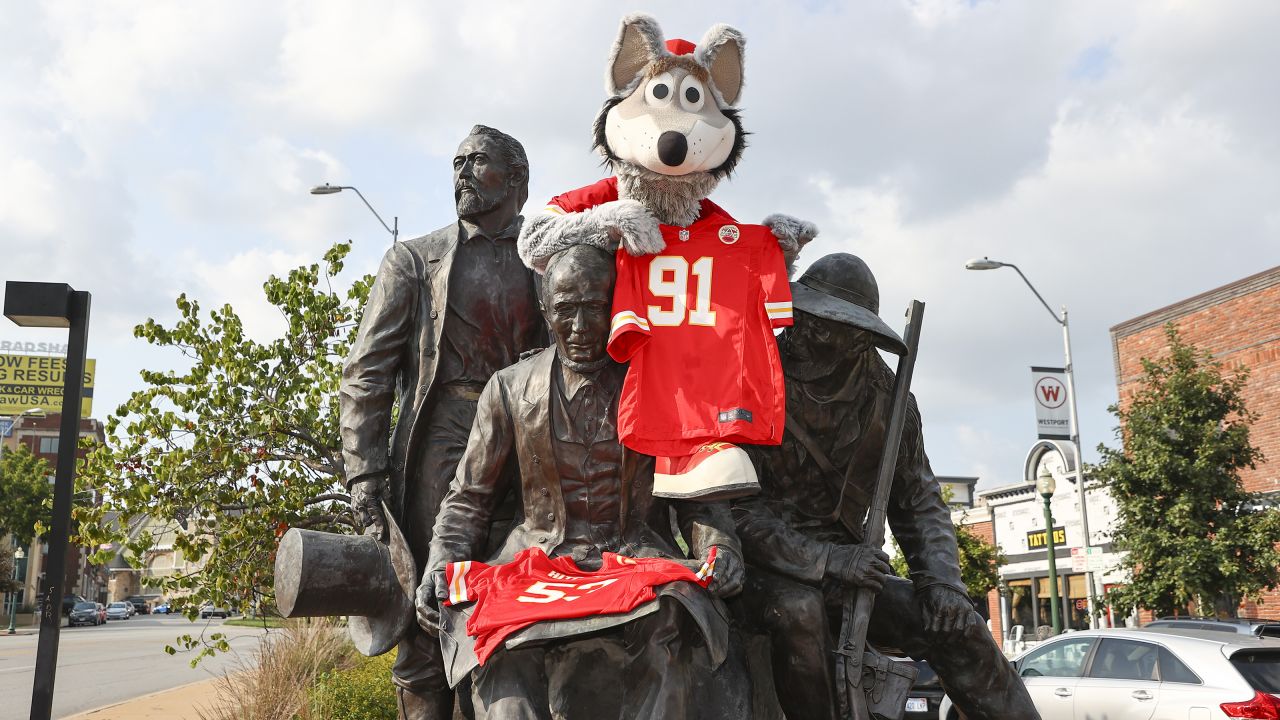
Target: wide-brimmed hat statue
{"x": 841, "y": 288}
{"x": 326, "y": 574}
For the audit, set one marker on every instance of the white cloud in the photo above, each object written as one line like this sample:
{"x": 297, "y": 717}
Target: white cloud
{"x": 1124, "y": 155}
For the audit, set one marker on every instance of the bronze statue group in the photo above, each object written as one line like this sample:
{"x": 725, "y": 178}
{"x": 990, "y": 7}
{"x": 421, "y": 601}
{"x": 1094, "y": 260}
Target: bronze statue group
{"x": 484, "y": 406}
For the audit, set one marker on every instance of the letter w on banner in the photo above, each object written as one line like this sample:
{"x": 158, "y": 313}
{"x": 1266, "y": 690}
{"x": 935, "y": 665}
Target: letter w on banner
{"x": 1053, "y": 411}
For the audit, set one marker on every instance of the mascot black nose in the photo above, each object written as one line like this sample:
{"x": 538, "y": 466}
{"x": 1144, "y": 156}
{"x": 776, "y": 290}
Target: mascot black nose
{"x": 672, "y": 147}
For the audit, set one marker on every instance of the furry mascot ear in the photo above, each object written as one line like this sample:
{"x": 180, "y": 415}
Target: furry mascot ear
{"x": 721, "y": 53}
{"x": 639, "y": 43}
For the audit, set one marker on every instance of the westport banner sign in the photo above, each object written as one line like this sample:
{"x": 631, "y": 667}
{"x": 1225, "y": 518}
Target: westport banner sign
{"x": 1053, "y": 413}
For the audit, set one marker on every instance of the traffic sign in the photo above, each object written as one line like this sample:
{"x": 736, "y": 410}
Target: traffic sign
{"x": 1092, "y": 562}
{"x": 6, "y": 427}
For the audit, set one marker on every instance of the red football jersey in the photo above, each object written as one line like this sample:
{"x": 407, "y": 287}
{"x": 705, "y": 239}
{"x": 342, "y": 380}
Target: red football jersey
{"x": 696, "y": 323}
{"x": 534, "y": 587}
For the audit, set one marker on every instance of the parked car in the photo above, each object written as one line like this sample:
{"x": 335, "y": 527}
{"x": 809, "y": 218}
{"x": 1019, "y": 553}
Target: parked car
{"x": 208, "y": 610}
{"x": 161, "y": 609}
{"x": 139, "y": 604}
{"x": 85, "y": 613}
{"x": 119, "y": 611}
{"x": 1150, "y": 672}
{"x": 1242, "y": 626}
{"x": 926, "y": 694}
{"x": 69, "y": 602}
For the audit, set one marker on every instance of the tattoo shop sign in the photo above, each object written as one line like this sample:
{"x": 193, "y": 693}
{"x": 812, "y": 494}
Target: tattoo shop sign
{"x": 1036, "y": 538}
{"x": 35, "y": 381}
{"x": 1053, "y": 413}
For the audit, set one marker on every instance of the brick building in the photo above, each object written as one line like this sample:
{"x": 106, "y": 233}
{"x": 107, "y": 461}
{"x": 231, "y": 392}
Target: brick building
{"x": 39, "y": 433}
{"x": 1239, "y": 324}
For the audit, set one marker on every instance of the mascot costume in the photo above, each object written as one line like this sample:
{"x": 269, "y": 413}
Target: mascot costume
{"x": 704, "y": 368}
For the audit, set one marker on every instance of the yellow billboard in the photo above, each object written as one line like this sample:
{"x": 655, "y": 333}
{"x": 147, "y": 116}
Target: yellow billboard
{"x": 35, "y": 381}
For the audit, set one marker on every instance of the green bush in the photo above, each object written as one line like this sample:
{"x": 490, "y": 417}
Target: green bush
{"x": 361, "y": 692}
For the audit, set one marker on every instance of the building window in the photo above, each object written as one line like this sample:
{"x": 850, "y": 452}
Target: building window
{"x": 1031, "y": 609}
{"x": 49, "y": 445}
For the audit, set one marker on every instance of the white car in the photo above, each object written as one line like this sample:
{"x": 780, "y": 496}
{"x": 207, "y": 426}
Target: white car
{"x": 119, "y": 611}
{"x": 1150, "y": 674}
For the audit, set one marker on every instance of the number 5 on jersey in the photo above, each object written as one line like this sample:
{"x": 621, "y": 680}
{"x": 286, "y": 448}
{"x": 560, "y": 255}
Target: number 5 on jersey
{"x": 545, "y": 592}
{"x": 669, "y": 278}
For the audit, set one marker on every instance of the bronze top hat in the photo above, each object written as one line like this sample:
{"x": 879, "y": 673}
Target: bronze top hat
{"x": 320, "y": 573}
{"x": 840, "y": 287}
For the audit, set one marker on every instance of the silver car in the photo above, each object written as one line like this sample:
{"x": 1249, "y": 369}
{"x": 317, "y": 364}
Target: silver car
{"x": 119, "y": 611}
{"x": 1150, "y": 674}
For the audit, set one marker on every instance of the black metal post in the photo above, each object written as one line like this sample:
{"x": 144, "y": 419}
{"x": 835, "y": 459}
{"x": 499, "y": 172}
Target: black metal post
{"x": 64, "y": 482}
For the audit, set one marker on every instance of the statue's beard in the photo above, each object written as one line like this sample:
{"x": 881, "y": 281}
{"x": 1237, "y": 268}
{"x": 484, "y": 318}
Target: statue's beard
{"x": 475, "y": 203}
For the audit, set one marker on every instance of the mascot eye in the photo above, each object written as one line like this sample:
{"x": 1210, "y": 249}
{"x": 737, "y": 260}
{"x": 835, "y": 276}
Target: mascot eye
{"x": 659, "y": 89}
{"x": 692, "y": 94}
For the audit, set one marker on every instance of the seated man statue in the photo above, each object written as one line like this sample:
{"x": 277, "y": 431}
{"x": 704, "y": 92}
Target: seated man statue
{"x": 801, "y": 535}
{"x": 583, "y": 494}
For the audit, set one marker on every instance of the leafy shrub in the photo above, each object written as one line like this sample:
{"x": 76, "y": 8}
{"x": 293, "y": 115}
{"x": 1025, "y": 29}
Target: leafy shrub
{"x": 360, "y": 692}
{"x": 275, "y": 684}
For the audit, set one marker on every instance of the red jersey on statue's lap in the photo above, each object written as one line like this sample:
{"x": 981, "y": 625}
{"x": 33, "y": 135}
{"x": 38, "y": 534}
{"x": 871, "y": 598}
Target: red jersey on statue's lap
{"x": 533, "y": 587}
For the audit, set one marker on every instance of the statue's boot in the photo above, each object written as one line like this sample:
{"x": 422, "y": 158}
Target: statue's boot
{"x": 424, "y": 705}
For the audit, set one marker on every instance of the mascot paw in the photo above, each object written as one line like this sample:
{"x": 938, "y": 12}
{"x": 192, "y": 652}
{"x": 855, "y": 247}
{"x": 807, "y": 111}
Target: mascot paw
{"x": 632, "y": 225}
{"x": 792, "y": 233}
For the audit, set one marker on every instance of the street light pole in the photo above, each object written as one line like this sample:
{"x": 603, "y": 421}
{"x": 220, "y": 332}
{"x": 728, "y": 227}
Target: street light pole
{"x": 40, "y": 304}
{"x": 327, "y": 189}
{"x": 989, "y": 264}
{"x": 18, "y": 554}
{"x": 1045, "y": 485}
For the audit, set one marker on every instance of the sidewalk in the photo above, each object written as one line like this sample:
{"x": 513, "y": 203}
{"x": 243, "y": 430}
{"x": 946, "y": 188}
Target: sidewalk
{"x": 25, "y": 624}
{"x": 180, "y": 703}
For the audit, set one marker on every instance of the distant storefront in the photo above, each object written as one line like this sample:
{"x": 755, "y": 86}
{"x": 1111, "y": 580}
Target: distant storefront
{"x": 1012, "y": 518}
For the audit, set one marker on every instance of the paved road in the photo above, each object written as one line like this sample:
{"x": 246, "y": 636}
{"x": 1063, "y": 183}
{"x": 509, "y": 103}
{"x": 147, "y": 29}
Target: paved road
{"x": 107, "y": 664}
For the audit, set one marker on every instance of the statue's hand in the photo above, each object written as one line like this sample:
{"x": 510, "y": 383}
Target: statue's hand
{"x": 858, "y": 566}
{"x": 730, "y": 571}
{"x": 430, "y": 593}
{"x": 632, "y": 225}
{"x": 947, "y": 613}
{"x": 366, "y": 505}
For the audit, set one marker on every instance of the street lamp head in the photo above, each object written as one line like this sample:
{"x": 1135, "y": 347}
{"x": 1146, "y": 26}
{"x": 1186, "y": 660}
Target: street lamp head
{"x": 19, "y": 554}
{"x": 326, "y": 189}
{"x": 38, "y": 304}
{"x": 1045, "y": 483}
{"x": 983, "y": 264}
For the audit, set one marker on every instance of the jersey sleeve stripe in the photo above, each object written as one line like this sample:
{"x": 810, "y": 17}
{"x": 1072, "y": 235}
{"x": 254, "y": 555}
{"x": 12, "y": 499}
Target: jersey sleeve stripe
{"x": 628, "y": 317}
{"x": 554, "y": 210}
{"x": 708, "y": 568}
{"x": 784, "y": 305}
{"x": 458, "y": 583}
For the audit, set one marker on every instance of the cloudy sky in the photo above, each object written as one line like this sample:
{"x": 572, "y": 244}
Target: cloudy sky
{"x": 1124, "y": 155}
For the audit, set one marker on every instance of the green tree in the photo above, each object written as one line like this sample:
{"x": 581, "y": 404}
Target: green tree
{"x": 7, "y": 583}
{"x": 220, "y": 458}
{"x": 980, "y": 561}
{"x": 1189, "y": 530}
{"x": 24, "y": 488}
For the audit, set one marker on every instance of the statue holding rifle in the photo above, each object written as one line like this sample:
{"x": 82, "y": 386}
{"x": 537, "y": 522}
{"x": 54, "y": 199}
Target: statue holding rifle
{"x": 803, "y": 536}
